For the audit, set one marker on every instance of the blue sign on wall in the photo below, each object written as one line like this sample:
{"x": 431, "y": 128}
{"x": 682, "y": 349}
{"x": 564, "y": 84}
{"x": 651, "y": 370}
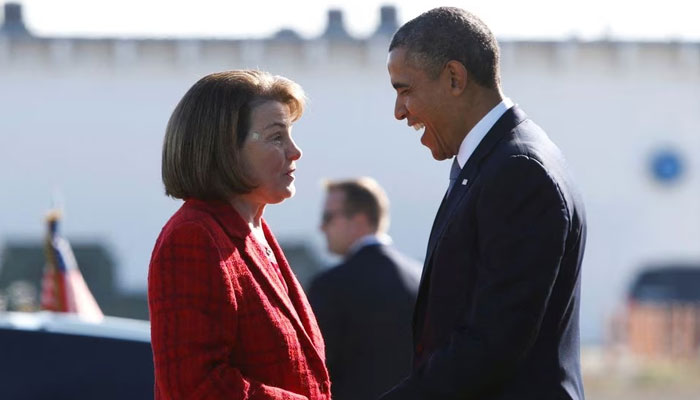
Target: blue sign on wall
{"x": 666, "y": 166}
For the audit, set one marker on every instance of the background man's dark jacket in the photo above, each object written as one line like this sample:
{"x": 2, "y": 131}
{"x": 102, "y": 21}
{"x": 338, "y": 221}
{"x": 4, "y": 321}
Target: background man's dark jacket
{"x": 364, "y": 307}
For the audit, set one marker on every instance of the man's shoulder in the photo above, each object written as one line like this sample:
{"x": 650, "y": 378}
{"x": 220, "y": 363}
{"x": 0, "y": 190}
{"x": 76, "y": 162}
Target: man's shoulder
{"x": 396, "y": 266}
{"x": 333, "y": 275}
{"x": 356, "y": 263}
{"x": 378, "y": 254}
{"x": 400, "y": 259}
{"x": 527, "y": 142}
{"x": 374, "y": 269}
{"x": 367, "y": 260}
{"x": 527, "y": 156}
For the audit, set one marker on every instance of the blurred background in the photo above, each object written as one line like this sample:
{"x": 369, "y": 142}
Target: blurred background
{"x": 87, "y": 87}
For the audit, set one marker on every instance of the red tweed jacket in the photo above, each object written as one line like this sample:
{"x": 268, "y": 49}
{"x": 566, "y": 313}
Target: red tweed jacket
{"x": 223, "y": 324}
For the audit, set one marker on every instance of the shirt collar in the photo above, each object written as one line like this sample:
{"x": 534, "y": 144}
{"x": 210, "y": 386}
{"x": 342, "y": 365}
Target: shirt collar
{"x": 477, "y": 133}
{"x": 368, "y": 240}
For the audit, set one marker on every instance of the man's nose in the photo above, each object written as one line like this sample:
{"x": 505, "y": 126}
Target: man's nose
{"x": 399, "y": 110}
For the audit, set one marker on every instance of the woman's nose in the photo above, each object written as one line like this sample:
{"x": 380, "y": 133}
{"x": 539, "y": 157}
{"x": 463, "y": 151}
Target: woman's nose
{"x": 295, "y": 152}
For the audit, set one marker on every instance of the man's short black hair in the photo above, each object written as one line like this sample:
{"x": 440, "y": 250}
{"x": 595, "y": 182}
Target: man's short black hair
{"x": 448, "y": 33}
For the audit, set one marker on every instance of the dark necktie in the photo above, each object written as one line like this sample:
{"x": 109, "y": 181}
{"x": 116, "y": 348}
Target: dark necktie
{"x": 454, "y": 173}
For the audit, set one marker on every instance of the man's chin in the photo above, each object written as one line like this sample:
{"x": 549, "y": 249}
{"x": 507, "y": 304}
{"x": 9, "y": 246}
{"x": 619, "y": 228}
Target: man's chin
{"x": 438, "y": 155}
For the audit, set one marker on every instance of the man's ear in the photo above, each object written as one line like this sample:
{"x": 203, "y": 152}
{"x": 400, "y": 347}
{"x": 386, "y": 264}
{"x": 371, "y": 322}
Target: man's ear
{"x": 360, "y": 219}
{"x": 457, "y": 75}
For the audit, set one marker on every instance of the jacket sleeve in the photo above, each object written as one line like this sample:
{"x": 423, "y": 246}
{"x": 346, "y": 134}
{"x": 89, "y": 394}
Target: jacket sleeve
{"x": 522, "y": 228}
{"x": 193, "y": 310}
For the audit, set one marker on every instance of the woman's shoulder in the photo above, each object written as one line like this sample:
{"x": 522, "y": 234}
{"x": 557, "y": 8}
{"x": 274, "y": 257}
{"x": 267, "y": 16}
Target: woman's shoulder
{"x": 187, "y": 219}
{"x": 201, "y": 227}
{"x": 189, "y": 225}
{"x": 196, "y": 240}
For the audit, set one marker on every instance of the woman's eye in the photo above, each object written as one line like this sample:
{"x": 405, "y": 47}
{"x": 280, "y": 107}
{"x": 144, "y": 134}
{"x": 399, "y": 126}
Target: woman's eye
{"x": 276, "y": 138}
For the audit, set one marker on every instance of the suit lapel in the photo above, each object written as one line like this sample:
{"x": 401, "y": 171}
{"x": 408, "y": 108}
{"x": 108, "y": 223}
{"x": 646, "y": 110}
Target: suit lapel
{"x": 267, "y": 279}
{"x": 298, "y": 302}
{"x": 236, "y": 228}
{"x": 508, "y": 121}
{"x": 289, "y": 302}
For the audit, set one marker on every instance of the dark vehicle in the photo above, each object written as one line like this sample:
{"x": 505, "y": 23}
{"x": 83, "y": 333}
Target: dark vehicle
{"x": 662, "y": 316}
{"x": 59, "y": 356}
{"x": 662, "y": 285}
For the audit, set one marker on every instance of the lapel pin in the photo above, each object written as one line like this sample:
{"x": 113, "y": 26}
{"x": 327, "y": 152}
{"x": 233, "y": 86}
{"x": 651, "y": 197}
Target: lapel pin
{"x": 464, "y": 182}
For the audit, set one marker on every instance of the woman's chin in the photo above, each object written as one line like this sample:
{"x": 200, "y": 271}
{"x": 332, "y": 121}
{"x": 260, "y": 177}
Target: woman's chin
{"x": 290, "y": 191}
{"x": 282, "y": 195}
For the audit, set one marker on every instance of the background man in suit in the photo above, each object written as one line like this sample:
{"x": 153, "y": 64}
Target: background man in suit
{"x": 364, "y": 305}
{"x": 497, "y": 311}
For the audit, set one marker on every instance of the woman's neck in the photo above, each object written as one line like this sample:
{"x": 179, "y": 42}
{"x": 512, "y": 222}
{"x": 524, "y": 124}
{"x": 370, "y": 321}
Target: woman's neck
{"x": 249, "y": 210}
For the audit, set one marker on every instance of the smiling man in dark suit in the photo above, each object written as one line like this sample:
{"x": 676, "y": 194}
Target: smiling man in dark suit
{"x": 497, "y": 315}
{"x": 364, "y": 305}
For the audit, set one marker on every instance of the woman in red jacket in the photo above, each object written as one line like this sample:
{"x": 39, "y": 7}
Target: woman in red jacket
{"x": 228, "y": 318}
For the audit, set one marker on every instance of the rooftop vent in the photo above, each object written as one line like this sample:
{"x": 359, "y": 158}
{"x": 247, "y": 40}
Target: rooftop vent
{"x": 13, "y": 24}
{"x": 335, "y": 28}
{"x": 287, "y": 35}
{"x": 388, "y": 22}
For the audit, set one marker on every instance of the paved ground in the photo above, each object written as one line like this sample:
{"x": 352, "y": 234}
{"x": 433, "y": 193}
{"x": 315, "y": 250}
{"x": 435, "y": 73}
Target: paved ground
{"x": 641, "y": 394}
{"x": 621, "y": 376}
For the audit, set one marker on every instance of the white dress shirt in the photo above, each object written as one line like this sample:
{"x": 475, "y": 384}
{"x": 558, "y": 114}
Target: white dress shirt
{"x": 372, "y": 239}
{"x": 476, "y": 135}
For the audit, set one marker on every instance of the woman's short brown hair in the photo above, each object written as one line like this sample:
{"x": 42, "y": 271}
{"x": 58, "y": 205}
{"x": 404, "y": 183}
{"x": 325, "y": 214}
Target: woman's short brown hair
{"x": 205, "y": 133}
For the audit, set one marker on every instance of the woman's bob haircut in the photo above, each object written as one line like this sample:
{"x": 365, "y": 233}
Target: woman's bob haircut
{"x": 205, "y": 134}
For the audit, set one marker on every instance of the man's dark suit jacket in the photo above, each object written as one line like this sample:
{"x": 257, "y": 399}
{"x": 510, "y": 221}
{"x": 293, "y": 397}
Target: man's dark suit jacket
{"x": 497, "y": 315}
{"x": 364, "y": 308}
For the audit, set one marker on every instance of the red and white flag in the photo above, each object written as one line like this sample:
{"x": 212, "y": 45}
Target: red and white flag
{"x": 63, "y": 288}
